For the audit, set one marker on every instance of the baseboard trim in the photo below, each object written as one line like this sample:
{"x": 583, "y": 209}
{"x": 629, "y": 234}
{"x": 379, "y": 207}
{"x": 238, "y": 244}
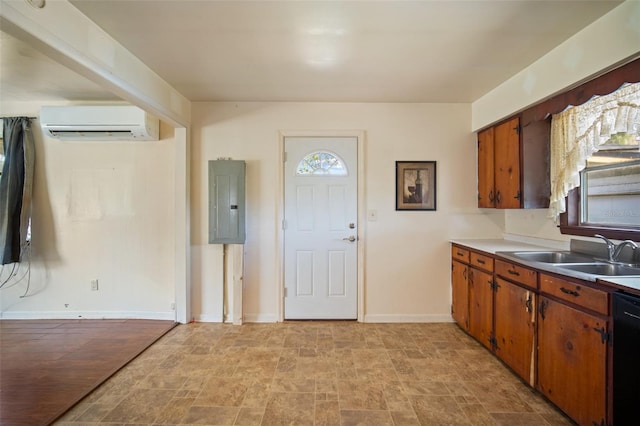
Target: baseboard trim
{"x": 208, "y": 318}
{"x": 394, "y": 318}
{"x": 264, "y": 318}
{"x": 171, "y": 316}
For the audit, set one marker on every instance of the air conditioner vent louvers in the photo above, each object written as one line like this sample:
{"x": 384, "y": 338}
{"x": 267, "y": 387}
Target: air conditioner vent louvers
{"x": 80, "y": 134}
{"x": 98, "y": 123}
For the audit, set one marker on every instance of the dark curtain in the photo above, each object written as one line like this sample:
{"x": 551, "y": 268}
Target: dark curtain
{"x": 15, "y": 188}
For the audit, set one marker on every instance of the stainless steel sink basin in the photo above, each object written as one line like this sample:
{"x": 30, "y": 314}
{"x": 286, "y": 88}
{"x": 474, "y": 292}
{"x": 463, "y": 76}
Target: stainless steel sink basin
{"x": 553, "y": 257}
{"x": 603, "y": 269}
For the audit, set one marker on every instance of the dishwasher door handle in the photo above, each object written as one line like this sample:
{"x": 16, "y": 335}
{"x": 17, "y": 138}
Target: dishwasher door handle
{"x": 631, "y": 315}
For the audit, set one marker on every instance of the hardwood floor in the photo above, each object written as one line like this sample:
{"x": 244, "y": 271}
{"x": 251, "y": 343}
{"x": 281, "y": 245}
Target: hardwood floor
{"x": 47, "y": 366}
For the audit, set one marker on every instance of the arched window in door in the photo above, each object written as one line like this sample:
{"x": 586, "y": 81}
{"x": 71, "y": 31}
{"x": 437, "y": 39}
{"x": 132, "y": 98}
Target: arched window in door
{"x": 321, "y": 163}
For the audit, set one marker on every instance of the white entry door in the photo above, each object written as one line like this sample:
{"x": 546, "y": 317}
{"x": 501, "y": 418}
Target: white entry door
{"x": 320, "y": 228}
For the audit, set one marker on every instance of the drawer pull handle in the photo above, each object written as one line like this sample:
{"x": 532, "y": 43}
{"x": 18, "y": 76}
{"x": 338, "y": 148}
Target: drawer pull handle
{"x": 480, "y": 261}
{"x": 516, "y": 273}
{"x": 460, "y": 254}
{"x": 571, "y": 292}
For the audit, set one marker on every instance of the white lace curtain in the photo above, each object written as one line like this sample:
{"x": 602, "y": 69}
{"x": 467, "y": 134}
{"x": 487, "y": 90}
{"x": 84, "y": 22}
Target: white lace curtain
{"x": 578, "y": 132}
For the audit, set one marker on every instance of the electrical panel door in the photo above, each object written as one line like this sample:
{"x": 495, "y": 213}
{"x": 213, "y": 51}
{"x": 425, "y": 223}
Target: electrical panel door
{"x": 226, "y": 202}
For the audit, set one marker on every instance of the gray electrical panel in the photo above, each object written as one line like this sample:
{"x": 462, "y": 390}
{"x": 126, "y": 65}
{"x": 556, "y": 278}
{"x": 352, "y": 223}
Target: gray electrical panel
{"x": 226, "y": 202}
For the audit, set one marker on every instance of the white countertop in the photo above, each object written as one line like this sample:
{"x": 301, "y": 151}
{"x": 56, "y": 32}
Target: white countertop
{"x": 494, "y": 245}
{"x": 623, "y": 283}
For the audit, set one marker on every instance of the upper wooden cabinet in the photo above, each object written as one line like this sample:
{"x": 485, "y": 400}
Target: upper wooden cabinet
{"x": 486, "y": 192}
{"x": 513, "y": 165}
{"x": 506, "y": 143}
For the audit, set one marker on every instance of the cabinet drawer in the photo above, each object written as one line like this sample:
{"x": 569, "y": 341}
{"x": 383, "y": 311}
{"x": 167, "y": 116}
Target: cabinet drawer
{"x": 519, "y": 274}
{"x": 586, "y": 297}
{"x": 460, "y": 254}
{"x": 482, "y": 261}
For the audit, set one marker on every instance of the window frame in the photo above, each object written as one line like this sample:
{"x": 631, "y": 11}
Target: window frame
{"x": 570, "y": 223}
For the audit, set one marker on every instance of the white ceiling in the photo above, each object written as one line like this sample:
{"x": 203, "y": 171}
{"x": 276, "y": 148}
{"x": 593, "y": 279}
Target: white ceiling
{"x": 346, "y": 51}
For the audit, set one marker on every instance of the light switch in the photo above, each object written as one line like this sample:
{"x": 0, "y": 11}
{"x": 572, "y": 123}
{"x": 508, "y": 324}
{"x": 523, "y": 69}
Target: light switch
{"x": 372, "y": 215}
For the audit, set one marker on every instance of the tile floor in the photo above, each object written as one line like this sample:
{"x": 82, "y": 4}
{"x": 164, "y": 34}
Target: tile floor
{"x": 315, "y": 373}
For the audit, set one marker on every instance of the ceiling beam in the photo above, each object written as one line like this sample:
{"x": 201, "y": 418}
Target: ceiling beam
{"x": 63, "y": 33}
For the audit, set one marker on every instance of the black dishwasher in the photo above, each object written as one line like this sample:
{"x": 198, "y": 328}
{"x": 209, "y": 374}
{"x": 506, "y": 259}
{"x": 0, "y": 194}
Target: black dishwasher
{"x": 626, "y": 359}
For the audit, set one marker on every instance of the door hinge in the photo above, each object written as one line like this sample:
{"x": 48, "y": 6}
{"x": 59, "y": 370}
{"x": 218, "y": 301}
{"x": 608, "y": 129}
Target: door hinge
{"x": 284, "y": 157}
{"x": 284, "y": 224}
{"x": 604, "y": 335}
{"x": 494, "y": 343}
{"x": 527, "y": 304}
{"x": 285, "y": 292}
{"x": 542, "y": 309}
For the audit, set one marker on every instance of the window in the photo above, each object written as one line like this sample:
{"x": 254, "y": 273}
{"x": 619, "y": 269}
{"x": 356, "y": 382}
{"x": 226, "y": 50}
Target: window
{"x": 610, "y": 186}
{"x": 321, "y": 163}
{"x": 608, "y": 199}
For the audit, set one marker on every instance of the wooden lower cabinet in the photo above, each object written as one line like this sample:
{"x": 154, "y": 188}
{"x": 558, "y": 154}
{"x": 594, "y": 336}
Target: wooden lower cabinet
{"x": 514, "y": 328}
{"x": 481, "y": 306}
{"x": 551, "y": 331}
{"x": 572, "y": 361}
{"x": 460, "y": 294}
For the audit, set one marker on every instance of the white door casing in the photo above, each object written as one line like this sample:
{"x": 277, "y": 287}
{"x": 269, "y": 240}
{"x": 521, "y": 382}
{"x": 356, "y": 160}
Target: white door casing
{"x": 320, "y": 232}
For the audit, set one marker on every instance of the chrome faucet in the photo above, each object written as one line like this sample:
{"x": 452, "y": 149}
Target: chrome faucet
{"x": 615, "y": 250}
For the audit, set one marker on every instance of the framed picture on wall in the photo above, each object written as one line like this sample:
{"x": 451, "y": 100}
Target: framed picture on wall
{"x": 415, "y": 185}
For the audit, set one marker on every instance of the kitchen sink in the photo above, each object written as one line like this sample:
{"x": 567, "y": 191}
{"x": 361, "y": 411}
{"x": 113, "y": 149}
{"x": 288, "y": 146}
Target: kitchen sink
{"x": 607, "y": 269}
{"x": 553, "y": 257}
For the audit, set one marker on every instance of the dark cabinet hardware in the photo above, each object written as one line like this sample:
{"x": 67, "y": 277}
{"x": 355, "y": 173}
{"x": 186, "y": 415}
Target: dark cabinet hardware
{"x": 543, "y": 308}
{"x": 570, "y": 292}
{"x": 511, "y": 272}
{"x": 604, "y": 335}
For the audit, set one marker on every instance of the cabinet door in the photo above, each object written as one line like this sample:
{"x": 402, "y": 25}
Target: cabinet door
{"x": 481, "y": 306}
{"x": 506, "y": 141}
{"x": 572, "y": 356}
{"x": 515, "y": 328}
{"x": 486, "y": 194}
{"x": 460, "y": 294}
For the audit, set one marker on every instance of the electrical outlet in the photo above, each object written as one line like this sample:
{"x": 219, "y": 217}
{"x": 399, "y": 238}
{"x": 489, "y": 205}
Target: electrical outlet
{"x": 94, "y": 285}
{"x": 173, "y": 306}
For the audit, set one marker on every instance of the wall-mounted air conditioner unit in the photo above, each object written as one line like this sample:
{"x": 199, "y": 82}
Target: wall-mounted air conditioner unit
{"x": 99, "y": 123}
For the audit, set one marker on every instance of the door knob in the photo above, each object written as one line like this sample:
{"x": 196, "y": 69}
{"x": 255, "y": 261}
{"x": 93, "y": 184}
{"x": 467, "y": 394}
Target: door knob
{"x": 350, "y": 238}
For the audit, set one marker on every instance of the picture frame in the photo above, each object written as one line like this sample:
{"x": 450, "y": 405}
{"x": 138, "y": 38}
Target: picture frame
{"x": 416, "y": 185}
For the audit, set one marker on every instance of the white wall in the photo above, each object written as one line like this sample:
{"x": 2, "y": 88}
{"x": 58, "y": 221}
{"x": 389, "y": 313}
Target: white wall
{"x": 406, "y": 253}
{"x": 101, "y": 210}
{"x": 612, "y": 39}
